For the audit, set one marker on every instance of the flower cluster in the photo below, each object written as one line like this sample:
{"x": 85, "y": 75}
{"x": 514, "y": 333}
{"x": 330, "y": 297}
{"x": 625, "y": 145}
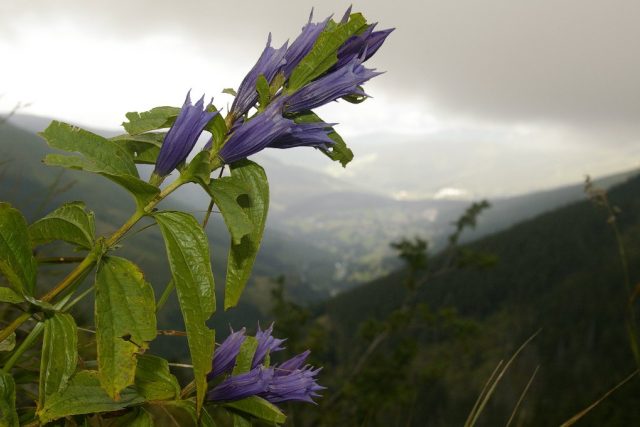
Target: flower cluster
{"x": 275, "y": 124}
{"x": 290, "y": 381}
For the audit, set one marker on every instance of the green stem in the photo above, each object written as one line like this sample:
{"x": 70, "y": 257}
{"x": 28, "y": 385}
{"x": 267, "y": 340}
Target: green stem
{"x": 24, "y": 346}
{"x": 188, "y": 390}
{"x": 165, "y": 295}
{"x": 4, "y": 334}
{"x": 93, "y": 256}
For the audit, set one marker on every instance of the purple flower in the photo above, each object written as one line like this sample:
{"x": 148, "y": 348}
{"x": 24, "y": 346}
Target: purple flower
{"x": 289, "y": 381}
{"x": 182, "y": 136}
{"x": 294, "y": 363}
{"x": 297, "y": 385}
{"x": 270, "y": 62}
{"x": 302, "y": 45}
{"x": 224, "y": 358}
{"x": 346, "y": 16}
{"x": 341, "y": 82}
{"x": 306, "y": 134}
{"x": 363, "y": 45}
{"x": 267, "y": 344}
{"x": 237, "y": 387}
{"x": 256, "y": 134}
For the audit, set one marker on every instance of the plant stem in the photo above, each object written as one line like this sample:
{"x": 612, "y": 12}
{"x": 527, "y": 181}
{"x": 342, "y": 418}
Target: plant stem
{"x": 24, "y": 346}
{"x": 93, "y": 256}
{"x": 4, "y": 334}
{"x": 165, "y": 295}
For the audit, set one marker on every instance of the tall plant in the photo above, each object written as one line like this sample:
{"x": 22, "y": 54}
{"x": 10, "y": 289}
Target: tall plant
{"x": 273, "y": 107}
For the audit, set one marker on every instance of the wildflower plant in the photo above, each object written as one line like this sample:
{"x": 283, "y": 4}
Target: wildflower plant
{"x": 126, "y": 384}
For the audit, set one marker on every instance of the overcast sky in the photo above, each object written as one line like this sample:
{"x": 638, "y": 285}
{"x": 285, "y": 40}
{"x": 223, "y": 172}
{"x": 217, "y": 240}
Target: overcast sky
{"x": 488, "y": 97}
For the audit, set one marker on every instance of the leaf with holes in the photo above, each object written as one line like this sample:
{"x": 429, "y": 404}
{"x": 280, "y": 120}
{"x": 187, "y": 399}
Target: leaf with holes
{"x": 125, "y": 321}
{"x": 243, "y": 255}
{"x": 188, "y": 254}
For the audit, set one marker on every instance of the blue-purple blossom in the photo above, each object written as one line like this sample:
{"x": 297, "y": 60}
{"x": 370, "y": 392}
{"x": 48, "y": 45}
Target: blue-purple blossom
{"x": 267, "y": 344}
{"x": 341, "y": 82}
{"x": 297, "y": 385}
{"x": 224, "y": 357}
{"x": 306, "y": 134}
{"x": 256, "y": 134}
{"x": 302, "y": 45}
{"x": 292, "y": 380}
{"x": 236, "y": 387}
{"x": 363, "y": 45}
{"x": 346, "y": 16}
{"x": 269, "y": 64}
{"x": 182, "y": 136}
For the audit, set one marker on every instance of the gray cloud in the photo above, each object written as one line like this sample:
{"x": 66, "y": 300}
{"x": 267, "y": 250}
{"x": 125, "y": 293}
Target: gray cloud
{"x": 571, "y": 62}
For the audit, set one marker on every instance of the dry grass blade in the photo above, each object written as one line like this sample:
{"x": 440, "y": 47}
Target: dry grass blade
{"x": 524, "y": 392}
{"x": 474, "y": 416}
{"x": 467, "y": 423}
{"x": 588, "y": 409}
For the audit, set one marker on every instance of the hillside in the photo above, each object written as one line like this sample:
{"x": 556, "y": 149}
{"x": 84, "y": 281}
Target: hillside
{"x": 559, "y": 272}
{"x": 347, "y": 224}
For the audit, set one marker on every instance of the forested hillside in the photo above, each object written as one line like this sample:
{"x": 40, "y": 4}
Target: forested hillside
{"x": 559, "y": 273}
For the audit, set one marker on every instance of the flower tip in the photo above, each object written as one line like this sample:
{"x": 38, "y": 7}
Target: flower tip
{"x": 347, "y": 14}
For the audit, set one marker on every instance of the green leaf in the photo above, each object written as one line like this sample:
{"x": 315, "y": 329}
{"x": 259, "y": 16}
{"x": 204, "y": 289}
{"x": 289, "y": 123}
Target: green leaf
{"x": 59, "y": 355}
{"x": 99, "y": 155}
{"x": 190, "y": 264}
{"x": 136, "y": 418}
{"x": 230, "y": 91}
{"x": 153, "y": 379}
{"x": 70, "y": 223}
{"x": 243, "y": 255}
{"x": 225, "y": 193}
{"x": 84, "y": 395}
{"x": 187, "y": 407}
{"x": 324, "y": 53}
{"x": 264, "y": 92}
{"x": 144, "y": 148}
{"x": 245, "y": 356}
{"x": 156, "y": 118}
{"x": 8, "y": 415}
{"x": 240, "y": 421}
{"x": 218, "y": 129}
{"x": 199, "y": 169}
{"x": 17, "y": 263}
{"x": 8, "y": 295}
{"x": 339, "y": 152}
{"x": 142, "y": 192}
{"x": 125, "y": 321}
{"x": 276, "y": 84}
{"x": 9, "y": 343}
{"x": 105, "y": 156}
{"x": 356, "y": 98}
{"x": 259, "y": 408}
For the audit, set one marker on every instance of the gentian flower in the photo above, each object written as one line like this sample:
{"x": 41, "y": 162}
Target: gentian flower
{"x": 269, "y": 64}
{"x": 237, "y": 387}
{"x": 289, "y": 381}
{"x": 297, "y": 385}
{"x": 267, "y": 344}
{"x": 182, "y": 136}
{"x": 363, "y": 45}
{"x": 306, "y": 134}
{"x": 302, "y": 45}
{"x": 271, "y": 129}
{"x": 341, "y": 82}
{"x": 256, "y": 134}
{"x": 224, "y": 357}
